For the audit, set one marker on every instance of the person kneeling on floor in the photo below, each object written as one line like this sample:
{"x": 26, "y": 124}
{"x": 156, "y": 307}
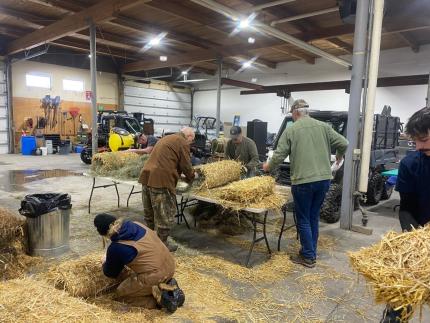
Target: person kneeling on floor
{"x": 149, "y": 281}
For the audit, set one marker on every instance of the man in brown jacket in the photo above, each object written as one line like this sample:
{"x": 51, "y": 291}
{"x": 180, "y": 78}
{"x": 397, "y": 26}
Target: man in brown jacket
{"x": 141, "y": 263}
{"x": 168, "y": 160}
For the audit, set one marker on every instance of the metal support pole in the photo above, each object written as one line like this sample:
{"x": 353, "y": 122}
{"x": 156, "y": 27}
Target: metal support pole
{"x": 218, "y": 97}
{"x": 371, "y": 94}
{"x": 428, "y": 95}
{"x": 93, "y": 68}
{"x": 358, "y": 62}
{"x": 10, "y": 124}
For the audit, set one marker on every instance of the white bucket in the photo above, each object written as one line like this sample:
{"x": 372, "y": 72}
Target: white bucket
{"x": 44, "y": 151}
{"x": 49, "y": 146}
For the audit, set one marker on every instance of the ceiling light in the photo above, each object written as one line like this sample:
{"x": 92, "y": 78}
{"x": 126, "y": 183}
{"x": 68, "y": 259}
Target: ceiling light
{"x": 246, "y": 64}
{"x": 251, "y": 40}
{"x": 154, "y": 41}
{"x": 89, "y": 55}
{"x": 184, "y": 72}
{"x": 163, "y": 58}
{"x": 254, "y": 80}
{"x": 243, "y": 23}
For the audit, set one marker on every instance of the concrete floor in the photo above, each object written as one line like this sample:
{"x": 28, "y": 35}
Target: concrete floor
{"x": 346, "y": 297}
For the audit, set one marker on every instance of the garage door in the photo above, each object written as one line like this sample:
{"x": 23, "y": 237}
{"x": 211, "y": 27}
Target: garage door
{"x": 170, "y": 108}
{"x": 4, "y": 134}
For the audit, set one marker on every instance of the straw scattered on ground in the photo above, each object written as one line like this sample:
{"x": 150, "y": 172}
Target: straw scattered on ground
{"x": 82, "y": 277}
{"x": 398, "y": 269}
{"x": 218, "y": 173}
{"x": 11, "y": 226}
{"x": 14, "y": 263}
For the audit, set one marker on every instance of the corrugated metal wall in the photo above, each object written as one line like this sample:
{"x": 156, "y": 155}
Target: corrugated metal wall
{"x": 4, "y": 132}
{"x": 169, "y": 109}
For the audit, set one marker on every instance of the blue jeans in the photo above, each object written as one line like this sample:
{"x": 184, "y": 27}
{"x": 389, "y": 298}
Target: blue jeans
{"x": 308, "y": 199}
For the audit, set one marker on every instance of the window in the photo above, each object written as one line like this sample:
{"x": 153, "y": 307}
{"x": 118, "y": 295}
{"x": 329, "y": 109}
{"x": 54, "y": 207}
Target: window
{"x": 70, "y": 85}
{"x": 35, "y": 80}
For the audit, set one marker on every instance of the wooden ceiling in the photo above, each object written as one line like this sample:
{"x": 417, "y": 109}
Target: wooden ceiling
{"x": 195, "y": 35}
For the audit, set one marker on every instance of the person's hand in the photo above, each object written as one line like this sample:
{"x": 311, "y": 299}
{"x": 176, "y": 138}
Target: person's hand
{"x": 244, "y": 169}
{"x": 338, "y": 160}
{"x": 266, "y": 167}
{"x": 103, "y": 259}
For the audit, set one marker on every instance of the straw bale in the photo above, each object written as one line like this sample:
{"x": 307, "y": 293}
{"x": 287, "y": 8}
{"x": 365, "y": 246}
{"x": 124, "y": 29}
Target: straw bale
{"x": 219, "y": 173}
{"x": 398, "y": 269}
{"x": 104, "y": 164}
{"x": 131, "y": 168}
{"x": 11, "y": 226}
{"x": 14, "y": 263}
{"x": 256, "y": 192}
{"x": 82, "y": 277}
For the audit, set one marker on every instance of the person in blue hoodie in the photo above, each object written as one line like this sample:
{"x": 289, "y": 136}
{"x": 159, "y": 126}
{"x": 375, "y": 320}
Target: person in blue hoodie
{"x": 140, "y": 261}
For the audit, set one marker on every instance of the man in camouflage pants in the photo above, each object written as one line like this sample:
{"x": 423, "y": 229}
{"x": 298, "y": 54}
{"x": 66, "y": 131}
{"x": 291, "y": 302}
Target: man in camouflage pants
{"x": 168, "y": 160}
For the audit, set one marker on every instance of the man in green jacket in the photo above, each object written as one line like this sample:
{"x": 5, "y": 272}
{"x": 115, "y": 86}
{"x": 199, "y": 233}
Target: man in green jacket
{"x": 242, "y": 149}
{"x": 308, "y": 142}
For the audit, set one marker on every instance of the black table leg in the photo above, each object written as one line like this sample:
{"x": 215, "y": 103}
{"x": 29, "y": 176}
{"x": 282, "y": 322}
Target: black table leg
{"x": 91, "y": 195}
{"x": 264, "y": 232}
{"x": 254, "y": 239}
{"x": 129, "y": 195}
{"x": 183, "y": 206}
{"x": 284, "y": 214}
{"x": 117, "y": 193}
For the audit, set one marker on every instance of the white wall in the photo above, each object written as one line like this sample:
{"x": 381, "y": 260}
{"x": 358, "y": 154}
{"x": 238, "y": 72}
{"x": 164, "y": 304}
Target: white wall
{"x": 107, "y": 86}
{"x": 403, "y": 100}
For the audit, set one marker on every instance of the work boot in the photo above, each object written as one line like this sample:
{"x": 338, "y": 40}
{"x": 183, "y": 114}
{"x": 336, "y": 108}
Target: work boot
{"x": 177, "y": 292}
{"x": 165, "y": 298}
{"x": 299, "y": 259}
{"x": 163, "y": 234}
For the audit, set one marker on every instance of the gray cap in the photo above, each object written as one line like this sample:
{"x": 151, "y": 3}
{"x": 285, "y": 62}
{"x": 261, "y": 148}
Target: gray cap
{"x": 235, "y": 131}
{"x": 299, "y": 104}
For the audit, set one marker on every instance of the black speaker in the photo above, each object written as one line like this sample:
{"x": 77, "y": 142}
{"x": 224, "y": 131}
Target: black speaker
{"x": 257, "y": 131}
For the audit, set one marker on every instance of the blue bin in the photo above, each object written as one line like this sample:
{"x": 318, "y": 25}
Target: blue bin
{"x": 28, "y": 145}
{"x": 78, "y": 149}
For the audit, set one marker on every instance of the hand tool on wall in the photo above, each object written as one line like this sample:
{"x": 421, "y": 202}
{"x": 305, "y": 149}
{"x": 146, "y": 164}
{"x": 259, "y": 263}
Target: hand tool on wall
{"x": 74, "y": 112}
{"x": 45, "y": 102}
{"x": 63, "y": 125}
{"x": 55, "y": 103}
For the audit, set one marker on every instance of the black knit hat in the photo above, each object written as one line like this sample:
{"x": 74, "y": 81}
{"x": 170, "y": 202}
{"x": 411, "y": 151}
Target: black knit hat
{"x": 102, "y": 222}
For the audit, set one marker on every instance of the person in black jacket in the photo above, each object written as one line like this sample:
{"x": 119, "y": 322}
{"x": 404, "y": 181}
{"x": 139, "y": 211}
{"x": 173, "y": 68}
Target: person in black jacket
{"x": 413, "y": 184}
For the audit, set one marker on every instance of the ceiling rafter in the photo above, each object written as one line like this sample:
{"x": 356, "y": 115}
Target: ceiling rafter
{"x": 297, "y": 54}
{"x": 101, "y": 11}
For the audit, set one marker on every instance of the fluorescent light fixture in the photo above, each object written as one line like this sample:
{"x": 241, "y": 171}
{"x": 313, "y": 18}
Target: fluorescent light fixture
{"x": 155, "y": 41}
{"x": 254, "y": 80}
{"x": 251, "y": 40}
{"x": 89, "y": 55}
{"x": 163, "y": 58}
{"x": 184, "y": 72}
{"x": 247, "y": 64}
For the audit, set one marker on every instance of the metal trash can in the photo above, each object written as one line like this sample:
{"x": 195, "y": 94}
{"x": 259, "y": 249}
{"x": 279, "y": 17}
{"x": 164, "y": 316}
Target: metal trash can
{"x": 48, "y": 219}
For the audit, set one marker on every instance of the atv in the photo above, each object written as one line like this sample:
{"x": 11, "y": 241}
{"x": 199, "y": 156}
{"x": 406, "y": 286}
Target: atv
{"x": 108, "y": 121}
{"x": 385, "y": 141}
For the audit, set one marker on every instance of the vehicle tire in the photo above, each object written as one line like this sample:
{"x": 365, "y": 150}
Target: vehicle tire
{"x": 386, "y": 193}
{"x": 330, "y": 209}
{"x": 375, "y": 189}
{"x": 86, "y": 156}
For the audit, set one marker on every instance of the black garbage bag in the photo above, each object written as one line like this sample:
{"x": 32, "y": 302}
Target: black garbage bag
{"x": 35, "y": 205}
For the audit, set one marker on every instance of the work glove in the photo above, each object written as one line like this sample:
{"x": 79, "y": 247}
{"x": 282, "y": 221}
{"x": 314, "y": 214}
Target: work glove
{"x": 244, "y": 169}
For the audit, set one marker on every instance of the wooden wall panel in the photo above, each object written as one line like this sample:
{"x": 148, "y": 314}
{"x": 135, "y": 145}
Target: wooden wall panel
{"x": 24, "y": 108}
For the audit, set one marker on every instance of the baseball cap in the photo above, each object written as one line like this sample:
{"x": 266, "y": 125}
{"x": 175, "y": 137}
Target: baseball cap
{"x": 299, "y": 104}
{"x": 235, "y": 131}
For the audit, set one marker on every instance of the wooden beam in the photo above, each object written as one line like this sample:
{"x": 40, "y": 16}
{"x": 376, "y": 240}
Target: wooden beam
{"x": 99, "y": 12}
{"x": 297, "y": 54}
{"x": 422, "y": 79}
{"x": 341, "y": 44}
{"x": 237, "y": 83}
{"x": 411, "y": 41}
